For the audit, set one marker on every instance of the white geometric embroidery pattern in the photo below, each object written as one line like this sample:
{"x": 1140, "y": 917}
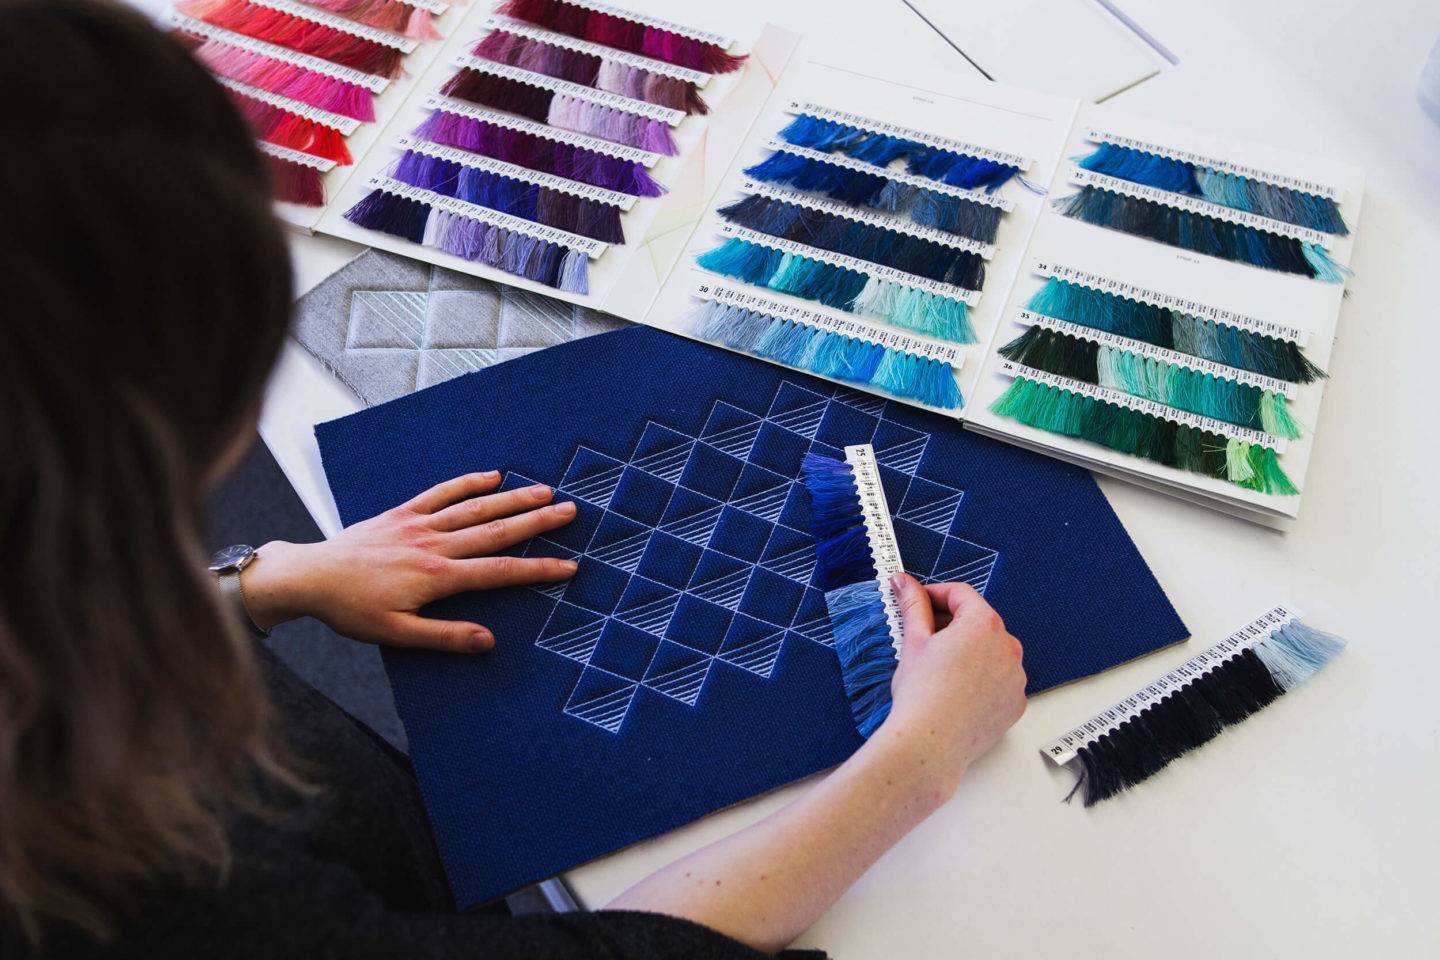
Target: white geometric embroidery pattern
{"x": 697, "y": 547}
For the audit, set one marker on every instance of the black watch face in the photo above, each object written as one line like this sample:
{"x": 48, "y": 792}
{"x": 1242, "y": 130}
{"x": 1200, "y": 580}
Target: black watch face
{"x": 230, "y": 558}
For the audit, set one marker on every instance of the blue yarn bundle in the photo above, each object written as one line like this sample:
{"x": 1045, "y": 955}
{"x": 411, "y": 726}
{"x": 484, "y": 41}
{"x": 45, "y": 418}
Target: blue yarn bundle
{"x": 862, "y": 241}
{"x": 845, "y": 570}
{"x": 934, "y": 163}
{"x": 859, "y": 188}
{"x": 840, "y": 288}
{"x": 906, "y": 375}
{"x": 1227, "y": 189}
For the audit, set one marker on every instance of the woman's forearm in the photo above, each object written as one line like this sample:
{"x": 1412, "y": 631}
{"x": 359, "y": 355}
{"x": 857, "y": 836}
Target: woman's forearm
{"x": 766, "y": 884}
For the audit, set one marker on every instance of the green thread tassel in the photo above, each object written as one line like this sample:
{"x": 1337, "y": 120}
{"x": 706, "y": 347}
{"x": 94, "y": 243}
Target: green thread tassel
{"x": 1056, "y": 410}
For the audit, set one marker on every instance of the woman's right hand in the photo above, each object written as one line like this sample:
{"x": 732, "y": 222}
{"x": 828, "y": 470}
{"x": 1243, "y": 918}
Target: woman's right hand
{"x": 959, "y": 685}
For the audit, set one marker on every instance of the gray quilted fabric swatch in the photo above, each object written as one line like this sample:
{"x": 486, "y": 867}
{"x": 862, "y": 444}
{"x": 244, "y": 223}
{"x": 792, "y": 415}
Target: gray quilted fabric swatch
{"x": 387, "y": 325}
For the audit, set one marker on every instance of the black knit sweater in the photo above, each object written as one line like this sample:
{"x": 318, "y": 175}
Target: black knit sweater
{"x": 353, "y": 874}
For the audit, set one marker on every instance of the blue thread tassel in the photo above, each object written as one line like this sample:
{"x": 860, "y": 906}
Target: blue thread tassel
{"x": 845, "y": 570}
{"x": 867, "y": 658}
{"x": 834, "y": 355}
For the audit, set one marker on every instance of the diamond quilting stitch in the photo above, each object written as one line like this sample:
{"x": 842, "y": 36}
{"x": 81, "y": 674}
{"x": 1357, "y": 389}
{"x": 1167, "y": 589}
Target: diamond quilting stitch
{"x": 695, "y": 546}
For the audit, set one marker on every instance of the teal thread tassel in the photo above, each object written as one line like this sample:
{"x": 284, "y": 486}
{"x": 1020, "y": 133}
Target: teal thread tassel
{"x": 1325, "y": 268}
{"x": 909, "y": 308}
{"x": 1127, "y": 431}
{"x": 1174, "y": 385}
{"x": 1231, "y": 346}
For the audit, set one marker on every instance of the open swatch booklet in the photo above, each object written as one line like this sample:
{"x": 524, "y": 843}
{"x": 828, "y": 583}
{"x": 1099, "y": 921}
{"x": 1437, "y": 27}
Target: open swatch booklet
{"x": 1116, "y": 291}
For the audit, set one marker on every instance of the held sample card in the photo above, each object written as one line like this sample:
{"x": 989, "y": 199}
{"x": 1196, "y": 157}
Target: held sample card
{"x": 690, "y": 662}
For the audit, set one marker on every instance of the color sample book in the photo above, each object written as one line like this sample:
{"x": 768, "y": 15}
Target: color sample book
{"x": 1128, "y": 294}
{"x": 689, "y": 664}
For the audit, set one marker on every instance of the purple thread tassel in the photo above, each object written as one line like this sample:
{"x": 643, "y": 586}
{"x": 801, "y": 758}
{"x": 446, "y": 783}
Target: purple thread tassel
{"x": 539, "y": 153}
{"x": 545, "y": 263}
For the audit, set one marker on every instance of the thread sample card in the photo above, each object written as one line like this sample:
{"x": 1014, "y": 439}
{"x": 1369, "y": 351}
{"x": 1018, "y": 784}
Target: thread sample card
{"x": 688, "y": 664}
{"x": 868, "y": 229}
{"x": 316, "y": 80}
{"x": 553, "y": 144}
{"x": 1174, "y": 320}
{"x": 1128, "y": 294}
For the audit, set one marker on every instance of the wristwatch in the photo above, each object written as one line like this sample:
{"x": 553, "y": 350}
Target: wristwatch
{"x": 226, "y": 564}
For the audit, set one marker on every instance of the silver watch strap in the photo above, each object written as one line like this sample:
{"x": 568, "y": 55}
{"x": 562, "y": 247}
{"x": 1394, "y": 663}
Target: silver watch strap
{"x": 234, "y": 595}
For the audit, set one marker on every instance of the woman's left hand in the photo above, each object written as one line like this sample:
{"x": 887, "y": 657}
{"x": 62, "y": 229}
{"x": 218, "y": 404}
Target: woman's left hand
{"x": 370, "y": 580}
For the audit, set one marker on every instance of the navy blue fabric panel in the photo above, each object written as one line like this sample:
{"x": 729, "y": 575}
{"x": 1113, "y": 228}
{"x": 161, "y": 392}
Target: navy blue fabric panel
{"x": 688, "y": 667}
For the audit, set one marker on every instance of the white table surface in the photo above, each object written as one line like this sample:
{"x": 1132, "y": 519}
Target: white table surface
{"x": 1309, "y": 831}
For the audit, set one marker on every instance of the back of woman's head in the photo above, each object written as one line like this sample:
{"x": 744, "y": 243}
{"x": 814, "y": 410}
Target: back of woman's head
{"x": 145, "y": 291}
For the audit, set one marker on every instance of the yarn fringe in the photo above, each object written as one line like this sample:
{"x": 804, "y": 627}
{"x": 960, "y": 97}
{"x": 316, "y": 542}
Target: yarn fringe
{"x": 545, "y": 263}
{"x": 1176, "y": 386}
{"x": 796, "y": 345}
{"x": 1162, "y": 327}
{"x": 1056, "y": 410}
{"x": 909, "y": 308}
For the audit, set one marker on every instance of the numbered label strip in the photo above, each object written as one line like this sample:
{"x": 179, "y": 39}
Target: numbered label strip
{"x": 1207, "y": 208}
{"x": 614, "y": 101}
{"x": 548, "y": 180}
{"x": 1122, "y": 399}
{"x": 249, "y": 44}
{"x": 909, "y": 133}
{"x": 475, "y": 112}
{"x": 899, "y": 176}
{"x": 1142, "y": 349}
{"x": 436, "y": 7}
{"x": 880, "y": 532}
{"x": 591, "y": 248}
{"x": 898, "y": 225}
{"x": 1319, "y": 189}
{"x": 295, "y": 156}
{"x": 324, "y": 17}
{"x": 1155, "y": 298}
{"x": 710, "y": 288}
{"x": 532, "y": 32}
{"x": 1066, "y": 747}
{"x": 346, "y": 125}
{"x": 719, "y": 39}
{"x": 878, "y": 271}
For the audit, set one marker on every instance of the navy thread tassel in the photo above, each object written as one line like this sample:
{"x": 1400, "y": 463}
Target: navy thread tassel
{"x": 1201, "y": 234}
{"x": 863, "y": 241}
{"x": 1199, "y": 711}
{"x": 859, "y": 188}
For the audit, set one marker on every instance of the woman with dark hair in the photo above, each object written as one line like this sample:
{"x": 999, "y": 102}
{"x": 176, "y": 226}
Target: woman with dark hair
{"x": 167, "y": 789}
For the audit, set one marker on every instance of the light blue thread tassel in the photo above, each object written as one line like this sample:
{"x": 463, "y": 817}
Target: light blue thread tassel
{"x": 1294, "y": 652}
{"x": 867, "y": 656}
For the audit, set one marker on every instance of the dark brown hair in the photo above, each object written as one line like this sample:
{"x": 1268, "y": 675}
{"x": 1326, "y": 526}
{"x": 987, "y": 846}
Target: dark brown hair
{"x": 145, "y": 291}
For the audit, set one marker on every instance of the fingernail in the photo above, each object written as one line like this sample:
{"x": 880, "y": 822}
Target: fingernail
{"x": 539, "y": 491}
{"x": 482, "y": 640}
{"x": 897, "y": 583}
{"x": 490, "y": 473}
{"x": 569, "y": 566}
{"x": 566, "y": 509}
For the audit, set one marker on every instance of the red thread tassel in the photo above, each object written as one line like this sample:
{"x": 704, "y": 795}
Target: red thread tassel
{"x": 298, "y": 34}
{"x": 296, "y": 182}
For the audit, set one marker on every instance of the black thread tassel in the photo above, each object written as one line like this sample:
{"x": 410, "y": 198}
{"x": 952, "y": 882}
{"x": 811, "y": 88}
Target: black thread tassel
{"x": 1217, "y": 689}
